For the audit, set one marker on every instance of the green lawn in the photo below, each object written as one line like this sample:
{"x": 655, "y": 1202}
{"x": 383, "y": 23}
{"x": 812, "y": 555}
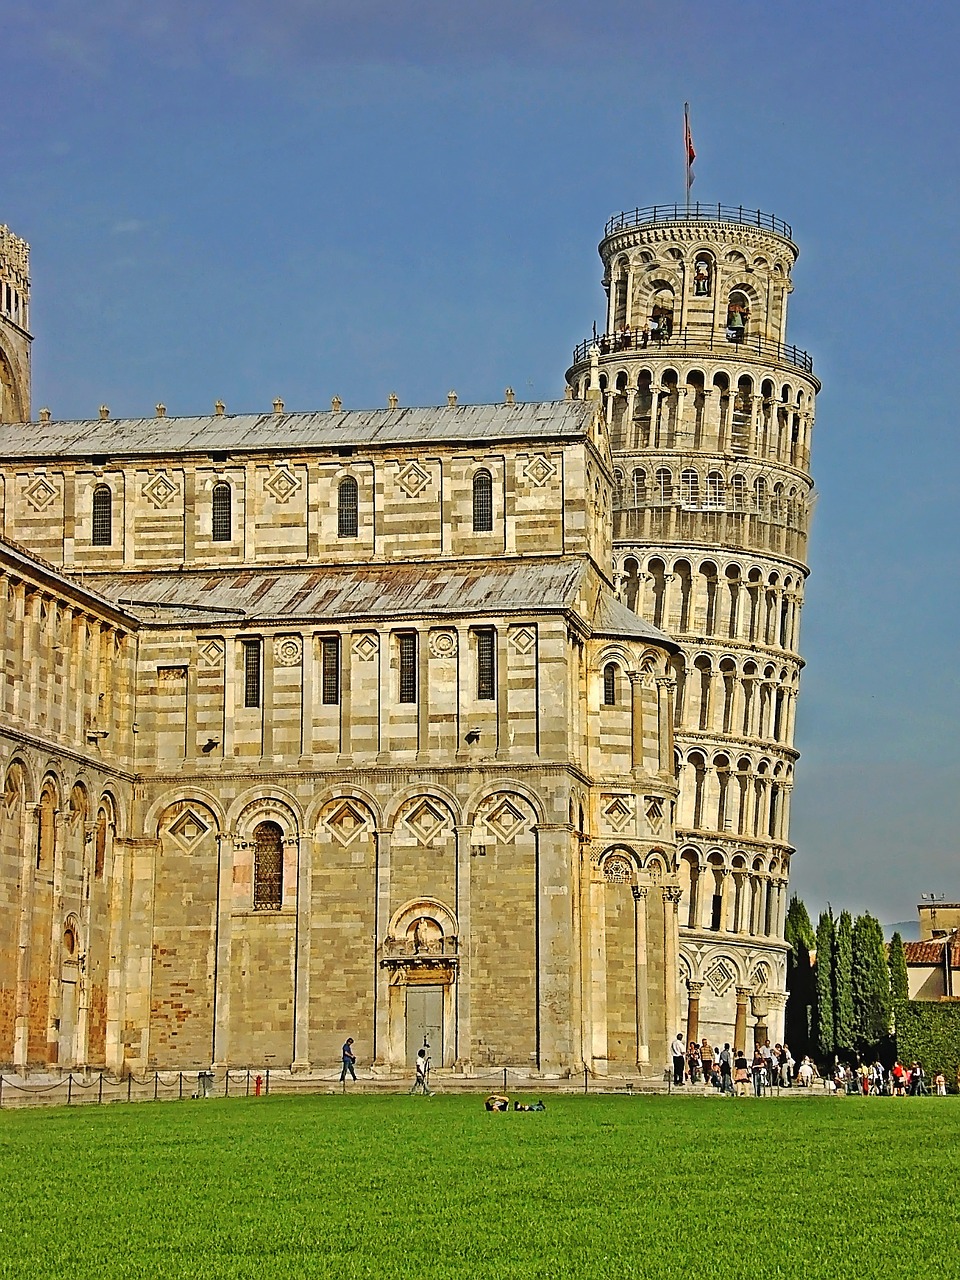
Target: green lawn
{"x": 352, "y": 1187}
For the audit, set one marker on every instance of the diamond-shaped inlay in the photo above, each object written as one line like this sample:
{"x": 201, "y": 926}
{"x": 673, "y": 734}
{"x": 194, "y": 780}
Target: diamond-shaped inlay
{"x": 618, "y": 811}
{"x": 413, "y": 479}
{"x": 282, "y": 484}
{"x": 506, "y": 821}
{"x": 720, "y": 977}
{"x": 346, "y": 821}
{"x": 426, "y": 821}
{"x": 189, "y": 829}
{"x": 539, "y": 470}
{"x": 617, "y": 869}
{"x": 212, "y": 653}
{"x": 653, "y": 807}
{"x": 366, "y": 647}
{"x": 523, "y": 639}
{"x": 40, "y": 493}
{"x": 161, "y": 490}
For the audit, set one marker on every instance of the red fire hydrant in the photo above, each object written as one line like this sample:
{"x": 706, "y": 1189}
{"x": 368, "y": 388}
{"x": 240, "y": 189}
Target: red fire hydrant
{"x": 259, "y": 1088}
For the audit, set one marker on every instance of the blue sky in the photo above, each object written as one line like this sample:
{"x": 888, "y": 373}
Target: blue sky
{"x": 308, "y": 199}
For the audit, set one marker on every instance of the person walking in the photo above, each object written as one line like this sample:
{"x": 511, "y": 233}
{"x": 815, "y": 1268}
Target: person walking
{"x": 726, "y": 1070}
{"x": 677, "y": 1054}
{"x": 421, "y": 1080}
{"x": 349, "y": 1060}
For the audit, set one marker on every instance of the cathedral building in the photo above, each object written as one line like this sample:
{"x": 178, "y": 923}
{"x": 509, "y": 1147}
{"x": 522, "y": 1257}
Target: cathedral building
{"x": 470, "y": 724}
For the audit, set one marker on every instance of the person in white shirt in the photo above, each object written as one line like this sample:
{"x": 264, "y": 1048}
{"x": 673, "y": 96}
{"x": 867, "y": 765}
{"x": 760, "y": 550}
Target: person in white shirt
{"x": 677, "y": 1053}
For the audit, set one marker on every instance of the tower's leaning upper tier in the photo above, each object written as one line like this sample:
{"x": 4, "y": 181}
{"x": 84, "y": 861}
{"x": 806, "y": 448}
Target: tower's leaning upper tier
{"x": 14, "y": 327}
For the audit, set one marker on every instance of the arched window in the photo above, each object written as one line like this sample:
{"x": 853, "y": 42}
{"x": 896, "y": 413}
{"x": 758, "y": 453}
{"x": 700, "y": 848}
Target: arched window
{"x": 639, "y": 488}
{"x": 102, "y": 516}
{"x": 702, "y": 274}
{"x": 348, "y": 507}
{"x": 483, "y": 502}
{"x": 664, "y": 486}
{"x": 610, "y": 685}
{"x": 715, "y": 487}
{"x": 689, "y": 488}
{"x": 222, "y": 513}
{"x": 268, "y": 867}
{"x": 738, "y": 314}
{"x": 618, "y": 488}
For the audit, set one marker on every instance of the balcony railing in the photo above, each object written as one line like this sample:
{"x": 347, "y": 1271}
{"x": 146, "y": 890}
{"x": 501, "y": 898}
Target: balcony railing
{"x": 697, "y": 213}
{"x": 697, "y": 340}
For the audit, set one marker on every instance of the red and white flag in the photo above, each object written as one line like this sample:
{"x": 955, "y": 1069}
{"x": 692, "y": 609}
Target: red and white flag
{"x": 689, "y": 152}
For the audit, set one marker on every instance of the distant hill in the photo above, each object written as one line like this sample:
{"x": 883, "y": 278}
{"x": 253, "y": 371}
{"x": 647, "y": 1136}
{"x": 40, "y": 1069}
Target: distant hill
{"x": 909, "y": 930}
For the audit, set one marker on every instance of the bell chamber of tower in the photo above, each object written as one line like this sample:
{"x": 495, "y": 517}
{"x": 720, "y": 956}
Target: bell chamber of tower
{"x": 14, "y": 327}
{"x": 709, "y": 413}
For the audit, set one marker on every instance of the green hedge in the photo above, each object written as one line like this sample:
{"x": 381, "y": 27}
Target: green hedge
{"x": 929, "y": 1031}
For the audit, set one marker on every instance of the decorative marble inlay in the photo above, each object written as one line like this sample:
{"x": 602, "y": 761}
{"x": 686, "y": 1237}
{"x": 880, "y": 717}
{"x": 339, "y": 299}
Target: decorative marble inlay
{"x": 539, "y": 470}
{"x": 413, "y": 479}
{"x": 282, "y": 484}
{"x": 211, "y": 655}
{"x": 443, "y": 644}
{"x": 287, "y": 650}
{"x": 522, "y": 639}
{"x": 426, "y": 821}
{"x": 346, "y": 821}
{"x": 40, "y": 492}
{"x": 366, "y": 647}
{"x": 618, "y": 811}
{"x": 161, "y": 490}
{"x": 188, "y": 830}
{"x": 617, "y": 869}
{"x": 720, "y": 977}
{"x": 506, "y": 821}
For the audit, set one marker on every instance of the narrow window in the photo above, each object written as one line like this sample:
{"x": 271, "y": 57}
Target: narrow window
{"x": 330, "y": 662}
{"x": 268, "y": 867}
{"x": 348, "y": 507}
{"x": 100, "y": 846}
{"x": 610, "y": 685}
{"x": 408, "y": 666}
{"x": 222, "y": 513}
{"x": 251, "y": 673}
{"x": 482, "y": 502}
{"x": 486, "y": 663}
{"x": 102, "y": 516}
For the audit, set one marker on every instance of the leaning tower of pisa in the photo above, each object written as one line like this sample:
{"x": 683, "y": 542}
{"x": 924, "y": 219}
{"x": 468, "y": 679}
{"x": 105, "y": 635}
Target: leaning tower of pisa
{"x": 709, "y": 412}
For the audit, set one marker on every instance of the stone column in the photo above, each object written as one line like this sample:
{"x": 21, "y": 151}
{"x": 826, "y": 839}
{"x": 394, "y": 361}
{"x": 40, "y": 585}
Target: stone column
{"x": 776, "y": 1003}
{"x": 671, "y": 955}
{"x": 381, "y": 1011}
{"x": 628, "y": 317}
{"x": 740, "y": 1027}
{"x": 464, "y": 1030}
{"x": 643, "y": 993}
{"x": 301, "y": 999}
{"x": 28, "y": 860}
{"x": 227, "y": 847}
{"x": 636, "y": 723}
{"x": 665, "y": 687}
{"x": 694, "y": 990}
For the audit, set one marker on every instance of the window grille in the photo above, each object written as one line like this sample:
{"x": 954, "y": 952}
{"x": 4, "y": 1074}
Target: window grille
{"x": 715, "y": 487}
{"x": 330, "y": 663}
{"x": 664, "y": 486}
{"x": 102, "y": 516}
{"x": 251, "y": 673}
{"x": 690, "y": 489}
{"x": 482, "y": 502}
{"x": 348, "y": 507}
{"x": 610, "y": 685}
{"x": 486, "y": 663}
{"x": 408, "y": 666}
{"x": 268, "y": 867}
{"x": 222, "y": 513}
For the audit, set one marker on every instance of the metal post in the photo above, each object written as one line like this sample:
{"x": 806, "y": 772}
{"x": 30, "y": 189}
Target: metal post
{"x": 248, "y": 1082}
{"x": 226, "y": 1083}
{"x": 129, "y": 1084}
{"x": 100, "y": 1088}
{"x": 156, "y": 1084}
{"x": 504, "y": 1079}
{"x": 180, "y": 1091}
{"x": 1, "y": 1088}
{"x": 69, "y": 1087}
{"x": 268, "y": 1083}
{"x": 586, "y": 1079}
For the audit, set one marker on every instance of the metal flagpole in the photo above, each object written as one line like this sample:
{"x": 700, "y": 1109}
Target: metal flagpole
{"x": 689, "y": 154}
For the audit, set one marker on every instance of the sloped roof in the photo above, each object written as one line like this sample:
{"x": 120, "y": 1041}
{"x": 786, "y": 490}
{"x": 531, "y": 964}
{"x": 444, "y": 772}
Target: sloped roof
{"x": 929, "y": 954}
{"x": 290, "y": 432}
{"x": 353, "y": 592}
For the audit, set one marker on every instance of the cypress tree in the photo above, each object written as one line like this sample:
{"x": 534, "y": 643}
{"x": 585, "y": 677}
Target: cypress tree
{"x": 843, "y": 984}
{"x": 897, "y": 962}
{"x": 870, "y": 984}
{"x": 824, "y": 1037}
{"x": 801, "y": 994}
